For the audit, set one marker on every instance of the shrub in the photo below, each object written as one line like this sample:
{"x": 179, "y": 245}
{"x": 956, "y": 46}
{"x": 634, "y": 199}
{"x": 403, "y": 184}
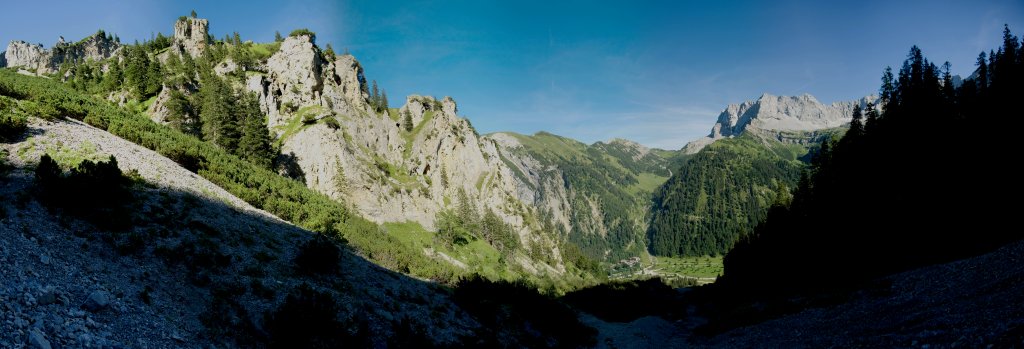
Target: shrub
{"x": 12, "y": 122}
{"x": 304, "y": 31}
{"x": 331, "y": 122}
{"x": 309, "y": 119}
{"x": 189, "y": 160}
{"x": 318, "y": 256}
{"x": 95, "y": 191}
{"x": 41, "y": 110}
{"x": 308, "y": 319}
{"x": 286, "y": 198}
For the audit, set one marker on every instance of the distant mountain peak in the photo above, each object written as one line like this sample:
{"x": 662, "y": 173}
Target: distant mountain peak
{"x": 778, "y": 113}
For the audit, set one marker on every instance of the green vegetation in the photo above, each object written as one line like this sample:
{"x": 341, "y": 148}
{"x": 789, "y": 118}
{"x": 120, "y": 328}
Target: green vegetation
{"x": 378, "y": 99}
{"x": 258, "y": 186}
{"x": 882, "y": 199}
{"x": 304, "y": 32}
{"x": 482, "y": 258}
{"x": 679, "y": 267}
{"x": 263, "y": 51}
{"x": 410, "y": 136}
{"x": 606, "y": 175}
{"x": 94, "y": 191}
{"x": 720, "y": 193}
{"x": 12, "y": 120}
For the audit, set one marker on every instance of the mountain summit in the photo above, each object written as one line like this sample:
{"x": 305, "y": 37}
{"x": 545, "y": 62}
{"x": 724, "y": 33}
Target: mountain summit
{"x": 778, "y": 113}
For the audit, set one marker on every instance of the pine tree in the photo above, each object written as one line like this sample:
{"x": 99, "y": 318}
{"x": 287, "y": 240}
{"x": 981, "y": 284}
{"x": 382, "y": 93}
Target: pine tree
{"x": 886, "y": 91}
{"x": 872, "y": 119}
{"x": 193, "y": 13}
{"x": 982, "y": 72}
{"x": 856, "y": 125}
{"x": 947, "y": 82}
{"x": 254, "y": 145}
{"x": 407, "y": 121}
{"x": 278, "y": 37}
{"x": 180, "y": 114}
{"x": 218, "y": 124}
{"x": 384, "y": 100}
{"x": 329, "y": 52}
{"x": 114, "y": 78}
{"x": 153, "y": 78}
{"x": 375, "y": 96}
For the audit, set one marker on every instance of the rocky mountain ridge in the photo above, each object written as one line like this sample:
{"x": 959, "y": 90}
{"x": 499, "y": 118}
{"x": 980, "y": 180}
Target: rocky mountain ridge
{"x": 777, "y": 116}
{"x": 36, "y": 58}
{"x": 413, "y": 163}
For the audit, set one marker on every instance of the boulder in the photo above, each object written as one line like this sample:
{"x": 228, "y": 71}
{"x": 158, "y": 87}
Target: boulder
{"x": 37, "y": 340}
{"x": 97, "y": 300}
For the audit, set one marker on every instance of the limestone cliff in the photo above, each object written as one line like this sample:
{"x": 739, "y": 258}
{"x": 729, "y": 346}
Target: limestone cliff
{"x": 318, "y": 108}
{"x": 97, "y": 47}
{"x": 190, "y": 36}
{"x": 775, "y": 115}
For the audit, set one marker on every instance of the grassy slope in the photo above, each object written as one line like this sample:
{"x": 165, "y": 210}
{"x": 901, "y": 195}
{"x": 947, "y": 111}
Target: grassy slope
{"x": 720, "y": 193}
{"x": 607, "y": 173}
{"x": 262, "y": 188}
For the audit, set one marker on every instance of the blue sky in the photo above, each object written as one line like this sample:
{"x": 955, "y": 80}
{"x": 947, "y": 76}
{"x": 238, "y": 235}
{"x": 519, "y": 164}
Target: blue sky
{"x": 658, "y": 72}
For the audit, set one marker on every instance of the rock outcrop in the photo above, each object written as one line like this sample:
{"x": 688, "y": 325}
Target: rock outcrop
{"x": 23, "y": 54}
{"x": 778, "y": 113}
{"x": 300, "y": 76}
{"x": 191, "y": 36}
{"x": 97, "y": 47}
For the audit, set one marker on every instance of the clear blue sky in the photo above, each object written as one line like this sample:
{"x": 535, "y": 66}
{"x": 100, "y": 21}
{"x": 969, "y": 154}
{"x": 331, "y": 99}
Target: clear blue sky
{"x": 656, "y": 72}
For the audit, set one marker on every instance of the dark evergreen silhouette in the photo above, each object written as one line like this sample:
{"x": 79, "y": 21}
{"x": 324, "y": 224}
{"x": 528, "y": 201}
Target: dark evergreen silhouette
{"x": 906, "y": 192}
{"x": 720, "y": 193}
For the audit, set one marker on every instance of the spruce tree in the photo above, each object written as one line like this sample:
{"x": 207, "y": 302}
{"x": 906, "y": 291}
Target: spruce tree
{"x": 375, "y": 96}
{"x": 407, "y": 121}
{"x": 329, "y": 52}
{"x": 886, "y": 91}
{"x": 856, "y": 125}
{"x": 982, "y": 71}
{"x": 254, "y": 145}
{"x": 219, "y": 126}
{"x": 114, "y": 78}
{"x": 278, "y": 37}
{"x": 872, "y": 119}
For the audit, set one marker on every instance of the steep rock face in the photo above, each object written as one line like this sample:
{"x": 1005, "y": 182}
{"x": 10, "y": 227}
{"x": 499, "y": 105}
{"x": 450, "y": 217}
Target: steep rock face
{"x": 392, "y": 175}
{"x": 595, "y": 195}
{"x": 299, "y": 75}
{"x": 190, "y": 36}
{"x": 778, "y": 113}
{"x": 34, "y": 57}
{"x": 537, "y": 183}
{"x": 23, "y": 54}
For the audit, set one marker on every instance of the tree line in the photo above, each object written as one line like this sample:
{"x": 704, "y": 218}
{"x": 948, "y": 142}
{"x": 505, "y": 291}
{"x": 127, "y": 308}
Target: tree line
{"x": 915, "y": 181}
{"x": 719, "y": 194}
